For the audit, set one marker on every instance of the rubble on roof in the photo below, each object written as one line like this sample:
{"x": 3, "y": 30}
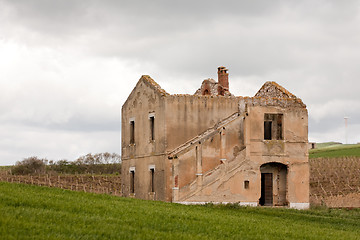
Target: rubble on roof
{"x": 274, "y": 90}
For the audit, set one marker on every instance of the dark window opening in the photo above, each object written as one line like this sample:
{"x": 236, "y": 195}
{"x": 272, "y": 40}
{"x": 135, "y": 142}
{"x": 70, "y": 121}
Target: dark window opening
{"x": 152, "y": 128}
{"x": 273, "y": 127}
{"x": 279, "y": 134}
{"x": 206, "y": 92}
{"x": 132, "y": 181}
{"x": 132, "y": 132}
{"x": 267, "y": 130}
{"x": 152, "y": 175}
{"x": 246, "y": 184}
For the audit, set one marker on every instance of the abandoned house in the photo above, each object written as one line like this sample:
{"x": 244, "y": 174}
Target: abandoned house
{"x": 215, "y": 147}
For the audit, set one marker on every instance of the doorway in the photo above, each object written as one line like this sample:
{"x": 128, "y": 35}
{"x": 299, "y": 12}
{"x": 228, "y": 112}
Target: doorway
{"x": 266, "y": 189}
{"x": 273, "y": 184}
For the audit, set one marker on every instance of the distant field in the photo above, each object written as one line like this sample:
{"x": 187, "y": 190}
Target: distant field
{"x": 327, "y": 144}
{"x": 32, "y": 212}
{"x": 329, "y": 150}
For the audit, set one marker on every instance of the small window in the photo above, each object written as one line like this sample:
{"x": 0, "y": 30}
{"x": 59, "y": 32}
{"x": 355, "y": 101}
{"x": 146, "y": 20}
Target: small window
{"x": 132, "y": 132}
{"x": 152, "y": 175}
{"x": 152, "y": 128}
{"x": 246, "y": 184}
{"x": 273, "y": 127}
{"x": 267, "y": 130}
{"x": 132, "y": 181}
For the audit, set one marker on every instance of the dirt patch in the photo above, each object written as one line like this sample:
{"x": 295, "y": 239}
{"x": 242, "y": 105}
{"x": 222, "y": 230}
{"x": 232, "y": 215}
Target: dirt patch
{"x": 335, "y": 182}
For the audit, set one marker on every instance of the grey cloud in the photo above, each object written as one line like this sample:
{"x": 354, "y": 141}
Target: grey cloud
{"x": 19, "y": 142}
{"x": 312, "y": 48}
{"x": 255, "y": 36}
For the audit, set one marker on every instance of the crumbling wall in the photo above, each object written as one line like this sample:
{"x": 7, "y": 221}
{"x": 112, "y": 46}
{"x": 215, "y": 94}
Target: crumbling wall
{"x": 291, "y": 151}
{"x": 212, "y": 88}
{"x": 274, "y": 90}
{"x": 189, "y": 115}
{"x": 147, "y": 149}
{"x": 206, "y": 169}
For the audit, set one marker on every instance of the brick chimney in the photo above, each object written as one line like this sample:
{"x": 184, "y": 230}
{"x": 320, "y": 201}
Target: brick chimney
{"x": 223, "y": 78}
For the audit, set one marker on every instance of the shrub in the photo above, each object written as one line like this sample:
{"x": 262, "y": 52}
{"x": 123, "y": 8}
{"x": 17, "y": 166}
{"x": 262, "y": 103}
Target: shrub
{"x": 30, "y": 165}
{"x": 99, "y": 163}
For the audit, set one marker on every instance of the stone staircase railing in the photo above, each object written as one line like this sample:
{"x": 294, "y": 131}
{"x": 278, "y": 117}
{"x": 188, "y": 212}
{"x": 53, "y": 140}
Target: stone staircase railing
{"x": 219, "y": 174}
{"x": 205, "y": 135}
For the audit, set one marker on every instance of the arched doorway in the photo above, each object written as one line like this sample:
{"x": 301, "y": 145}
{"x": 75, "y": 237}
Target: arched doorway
{"x": 273, "y": 184}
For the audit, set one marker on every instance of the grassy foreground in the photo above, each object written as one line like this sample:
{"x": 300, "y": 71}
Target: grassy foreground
{"x": 341, "y": 150}
{"x": 32, "y": 212}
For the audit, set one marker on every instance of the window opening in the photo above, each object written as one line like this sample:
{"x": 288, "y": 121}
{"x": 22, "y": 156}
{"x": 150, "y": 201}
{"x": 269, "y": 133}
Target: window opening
{"x": 152, "y": 175}
{"x": 132, "y": 132}
{"x": 273, "y": 127}
{"x": 279, "y": 134}
{"x": 246, "y": 184}
{"x": 152, "y": 126}
{"x": 267, "y": 130}
{"x": 132, "y": 181}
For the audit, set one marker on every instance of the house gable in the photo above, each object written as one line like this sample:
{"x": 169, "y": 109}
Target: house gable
{"x": 274, "y": 90}
{"x": 145, "y": 82}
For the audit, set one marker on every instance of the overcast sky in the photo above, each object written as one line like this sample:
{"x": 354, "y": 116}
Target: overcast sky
{"x": 66, "y": 67}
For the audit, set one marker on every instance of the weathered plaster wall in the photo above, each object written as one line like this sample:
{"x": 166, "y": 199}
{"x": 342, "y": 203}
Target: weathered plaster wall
{"x": 211, "y": 153}
{"x": 220, "y": 154}
{"x": 291, "y": 151}
{"x": 225, "y": 182}
{"x": 142, "y": 177}
{"x": 188, "y": 115}
{"x": 143, "y": 102}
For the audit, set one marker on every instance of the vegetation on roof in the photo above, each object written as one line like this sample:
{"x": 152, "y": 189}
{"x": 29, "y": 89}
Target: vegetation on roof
{"x": 284, "y": 90}
{"x": 154, "y": 84}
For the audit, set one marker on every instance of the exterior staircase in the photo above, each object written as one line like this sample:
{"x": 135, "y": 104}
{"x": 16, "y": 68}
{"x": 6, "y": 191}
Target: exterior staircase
{"x": 215, "y": 177}
{"x": 218, "y": 175}
{"x": 205, "y": 135}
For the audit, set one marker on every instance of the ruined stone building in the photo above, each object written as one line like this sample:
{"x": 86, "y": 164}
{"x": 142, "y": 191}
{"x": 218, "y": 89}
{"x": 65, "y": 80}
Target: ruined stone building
{"x": 215, "y": 147}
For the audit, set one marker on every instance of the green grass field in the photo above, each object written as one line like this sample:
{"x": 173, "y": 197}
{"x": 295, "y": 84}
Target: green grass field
{"x": 32, "y": 212}
{"x": 327, "y": 144}
{"x": 335, "y": 150}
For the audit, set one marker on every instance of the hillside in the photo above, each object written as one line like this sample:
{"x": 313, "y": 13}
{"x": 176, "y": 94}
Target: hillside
{"x": 29, "y": 212}
{"x": 331, "y": 150}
